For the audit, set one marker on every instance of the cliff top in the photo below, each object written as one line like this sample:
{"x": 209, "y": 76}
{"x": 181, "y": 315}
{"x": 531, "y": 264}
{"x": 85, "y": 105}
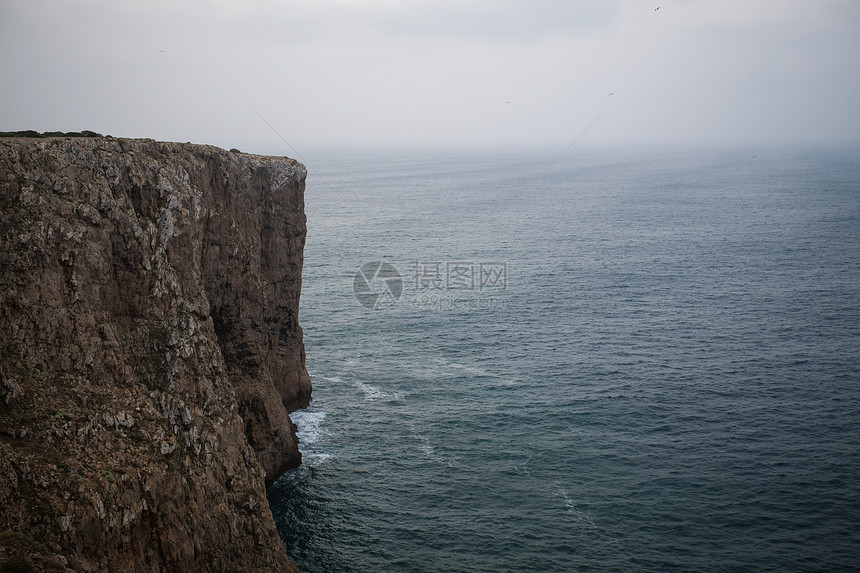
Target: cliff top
{"x": 86, "y": 134}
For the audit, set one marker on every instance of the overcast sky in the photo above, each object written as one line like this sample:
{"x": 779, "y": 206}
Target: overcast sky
{"x": 509, "y": 73}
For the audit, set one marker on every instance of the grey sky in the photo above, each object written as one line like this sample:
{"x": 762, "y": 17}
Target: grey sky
{"x": 510, "y": 73}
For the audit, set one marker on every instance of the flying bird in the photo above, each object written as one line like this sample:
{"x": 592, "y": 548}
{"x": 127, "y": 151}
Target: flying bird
{"x": 612, "y": 93}
{"x": 657, "y": 8}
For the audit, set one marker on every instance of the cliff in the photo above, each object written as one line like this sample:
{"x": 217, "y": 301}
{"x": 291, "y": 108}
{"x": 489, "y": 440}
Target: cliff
{"x": 150, "y": 352}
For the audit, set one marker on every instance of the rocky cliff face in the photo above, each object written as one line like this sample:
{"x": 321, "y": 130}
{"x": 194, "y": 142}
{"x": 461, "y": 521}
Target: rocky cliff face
{"x": 150, "y": 352}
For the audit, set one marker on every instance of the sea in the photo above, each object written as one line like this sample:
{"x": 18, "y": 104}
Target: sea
{"x": 608, "y": 360}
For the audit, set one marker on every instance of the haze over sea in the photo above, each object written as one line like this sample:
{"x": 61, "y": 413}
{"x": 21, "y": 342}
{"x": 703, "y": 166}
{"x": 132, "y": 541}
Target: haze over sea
{"x": 620, "y": 361}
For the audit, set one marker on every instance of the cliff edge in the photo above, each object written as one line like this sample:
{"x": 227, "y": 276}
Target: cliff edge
{"x": 150, "y": 352}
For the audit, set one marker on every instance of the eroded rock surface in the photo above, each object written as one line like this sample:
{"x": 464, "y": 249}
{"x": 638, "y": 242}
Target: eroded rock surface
{"x": 150, "y": 352}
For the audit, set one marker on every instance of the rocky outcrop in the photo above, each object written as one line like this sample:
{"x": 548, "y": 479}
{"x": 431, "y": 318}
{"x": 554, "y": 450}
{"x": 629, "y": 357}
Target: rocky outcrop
{"x": 150, "y": 352}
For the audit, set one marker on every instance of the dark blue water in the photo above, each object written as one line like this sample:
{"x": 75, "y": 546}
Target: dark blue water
{"x": 625, "y": 362}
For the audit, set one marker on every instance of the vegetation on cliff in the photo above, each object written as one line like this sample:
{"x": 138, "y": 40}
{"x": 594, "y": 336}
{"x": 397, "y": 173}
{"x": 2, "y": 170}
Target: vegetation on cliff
{"x": 35, "y": 134}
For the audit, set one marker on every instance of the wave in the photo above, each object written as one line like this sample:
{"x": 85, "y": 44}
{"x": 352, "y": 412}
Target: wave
{"x": 310, "y": 430}
{"x": 314, "y": 459}
{"x": 309, "y": 425}
{"x": 370, "y": 392}
{"x": 570, "y": 505}
{"x": 474, "y": 370}
{"x": 452, "y": 369}
{"x": 428, "y": 449}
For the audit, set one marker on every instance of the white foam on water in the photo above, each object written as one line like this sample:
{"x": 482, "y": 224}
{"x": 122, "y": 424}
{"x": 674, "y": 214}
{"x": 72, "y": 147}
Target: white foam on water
{"x": 370, "y": 392}
{"x": 427, "y": 448}
{"x": 570, "y": 504}
{"x": 522, "y": 467}
{"x": 314, "y": 459}
{"x": 438, "y": 366}
{"x": 334, "y": 379}
{"x": 474, "y": 370}
{"x": 311, "y": 433}
{"x": 309, "y": 424}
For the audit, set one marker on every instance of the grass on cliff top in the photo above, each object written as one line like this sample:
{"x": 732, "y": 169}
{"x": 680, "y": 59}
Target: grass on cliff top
{"x": 31, "y": 133}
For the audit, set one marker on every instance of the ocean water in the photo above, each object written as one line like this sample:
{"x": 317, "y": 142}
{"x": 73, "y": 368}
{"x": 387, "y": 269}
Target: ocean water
{"x": 620, "y": 361}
